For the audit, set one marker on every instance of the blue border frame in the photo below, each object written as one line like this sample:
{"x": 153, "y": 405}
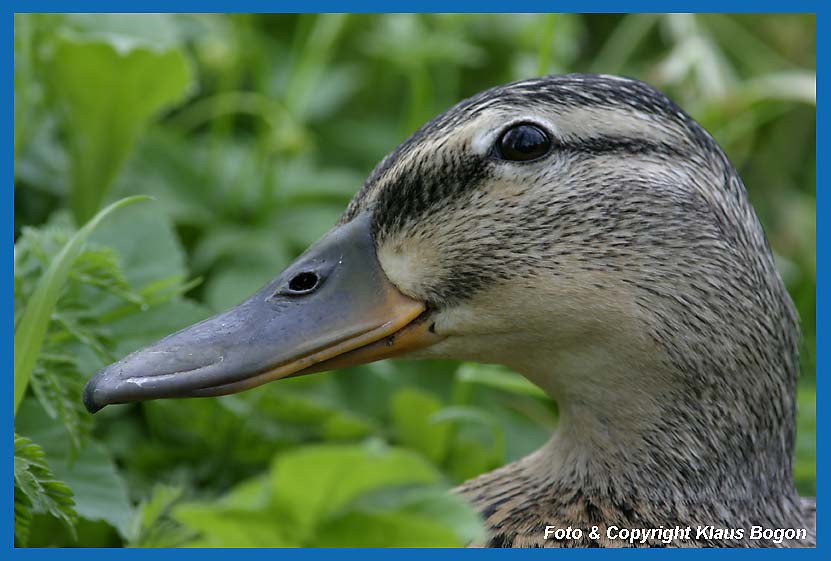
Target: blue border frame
{"x": 372, "y": 6}
{"x": 366, "y": 6}
{"x": 823, "y": 237}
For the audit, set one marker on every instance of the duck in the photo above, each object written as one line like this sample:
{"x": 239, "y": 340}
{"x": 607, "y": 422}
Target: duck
{"x": 587, "y": 233}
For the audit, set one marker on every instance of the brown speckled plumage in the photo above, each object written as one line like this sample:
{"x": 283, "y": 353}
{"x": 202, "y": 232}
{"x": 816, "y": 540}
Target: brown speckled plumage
{"x": 635, "y": 240}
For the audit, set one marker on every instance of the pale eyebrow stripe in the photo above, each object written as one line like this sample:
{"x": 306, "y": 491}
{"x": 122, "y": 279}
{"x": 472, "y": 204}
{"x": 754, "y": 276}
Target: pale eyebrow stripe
{"x": 604, "y": 121}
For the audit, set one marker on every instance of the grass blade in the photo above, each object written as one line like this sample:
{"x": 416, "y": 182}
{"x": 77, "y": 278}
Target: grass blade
{"x": 31, "y": 331}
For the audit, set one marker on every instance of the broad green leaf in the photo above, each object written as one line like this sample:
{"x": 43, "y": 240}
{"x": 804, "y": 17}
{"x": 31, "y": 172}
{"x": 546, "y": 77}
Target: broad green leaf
{"x": 229, "y": 527}
{"x": 385, "y": 529}
{"x": 303, "y": 225}
{"x": 157, "y": 30}
{"x": 254, "y": 251}
{"x": 109, "y": 87}
{"x": 171, "y": 168}
{"x": 429, "y": 503}
{"x": 242, "y": 518}
{"x": 37, "y": 489}
{"x": 303, "y": 181}
{"x": 317, "y": 481}
{"x": 153, "y": 262}
{"x": 468, "y": 457}
{"x": 251, "y": 494}
{"x": 389, "y": 513}
{"x": 231, "y": 285}
{"x": 369, "y": 389}
{"x": 30, "y": 332}
{"x": 446, "y": 508}
{"x": 146, "y": 243}
{"x": 342, "y": 425}
{"x": 498, "y": 377}
{"x": 100, "y": 492}
{"x": 411, "y": 411}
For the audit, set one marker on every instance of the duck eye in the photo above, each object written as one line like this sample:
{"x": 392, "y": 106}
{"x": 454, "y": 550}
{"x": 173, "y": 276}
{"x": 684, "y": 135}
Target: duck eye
{"x": 303, "y": 283}
{"x": 523, "y": 142}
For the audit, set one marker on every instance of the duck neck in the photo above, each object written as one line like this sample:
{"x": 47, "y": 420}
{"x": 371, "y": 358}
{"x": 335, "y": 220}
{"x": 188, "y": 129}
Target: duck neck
{"x": 648, "y": 438}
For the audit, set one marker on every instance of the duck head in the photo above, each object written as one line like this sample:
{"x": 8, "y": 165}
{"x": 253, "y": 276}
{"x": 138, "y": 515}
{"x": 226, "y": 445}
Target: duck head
{"x": 580, "y": 229}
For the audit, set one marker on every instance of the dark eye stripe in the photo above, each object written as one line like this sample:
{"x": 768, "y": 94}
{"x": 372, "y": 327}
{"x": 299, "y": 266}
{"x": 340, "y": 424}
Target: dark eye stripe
{"x": 425, "y": 186}
{"x": 625, "y": 145}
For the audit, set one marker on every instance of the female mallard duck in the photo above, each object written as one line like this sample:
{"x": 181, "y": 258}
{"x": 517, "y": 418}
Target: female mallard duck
{"x": 586, "y": 232}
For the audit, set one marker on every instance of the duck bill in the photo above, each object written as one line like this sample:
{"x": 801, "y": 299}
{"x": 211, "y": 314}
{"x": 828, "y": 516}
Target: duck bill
{"x": 333, "y": 307}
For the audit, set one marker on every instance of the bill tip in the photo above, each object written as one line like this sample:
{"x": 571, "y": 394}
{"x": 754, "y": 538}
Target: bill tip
{"x": 89, "y": 398}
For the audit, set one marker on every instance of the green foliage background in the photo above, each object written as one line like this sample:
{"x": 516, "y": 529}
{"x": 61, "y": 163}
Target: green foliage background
{"x": 252, "y": 133}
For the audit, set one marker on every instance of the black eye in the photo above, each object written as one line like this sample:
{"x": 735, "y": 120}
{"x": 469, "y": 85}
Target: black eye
{"x": 303, "y": 283}
{"x": 524, "y": 142}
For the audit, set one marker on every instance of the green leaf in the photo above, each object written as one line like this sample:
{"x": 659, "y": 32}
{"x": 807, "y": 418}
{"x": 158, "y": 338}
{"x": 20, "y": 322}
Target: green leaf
{"x": 159, "y": 30}
{"x": 37, "y": 489}
{"x": 153, "y": 525}
{"x": 500, "y": 378}
{"x": 385, "y": 529}
{"x": 432, "y": 503}
{"x": 338, "y": 496}
{"x": 57, "y": 383}
{"x": 447, "y": 509}
{"x": 251, "y": 494}
{"x": 100, "y": 493}
{"x": 303, "y": 225}
{"x": 109, "y": 87}
{"x": 31, "y": 331}
{"x": 146, "y": 244}
{"x": 229, "y": 527}
{"x": 411, "y": 411}
{"x": 469, "y": 458}
{"x": 153, "y": 264}
{"x": 317, "y": 481}
{"x": 242, "y": 518}
{"x": 806, "y": 441}
{"x": 231, "y": 285}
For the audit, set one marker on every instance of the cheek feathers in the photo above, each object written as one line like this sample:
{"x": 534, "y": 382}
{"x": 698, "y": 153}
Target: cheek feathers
{"x": 410, "y": 265}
